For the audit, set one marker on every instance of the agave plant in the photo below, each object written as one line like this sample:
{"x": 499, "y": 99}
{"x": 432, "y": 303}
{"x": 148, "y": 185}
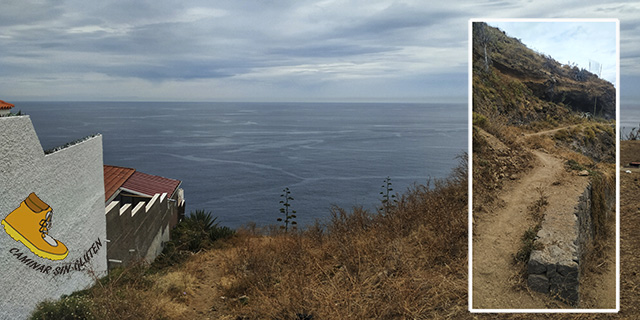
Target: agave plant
{"x": 201, "y": 220}
{"x": 388, "y": 199}
{"x": 288, "y": 217}
{"x": 199, "y": 226}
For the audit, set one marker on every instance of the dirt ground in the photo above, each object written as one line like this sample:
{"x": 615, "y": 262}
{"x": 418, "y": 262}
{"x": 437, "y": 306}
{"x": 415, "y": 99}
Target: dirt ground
{"x": 629, "y": 235}
{"x": 497, "y": 282}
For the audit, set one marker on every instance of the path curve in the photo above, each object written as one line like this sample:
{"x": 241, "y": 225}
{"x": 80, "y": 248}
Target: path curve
{"x": 499, "y": 235}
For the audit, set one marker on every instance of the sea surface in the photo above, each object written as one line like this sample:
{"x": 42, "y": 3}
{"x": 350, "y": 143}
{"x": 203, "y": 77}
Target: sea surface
{"x": 629, "y": 119}
{"x": 234, "y": 159}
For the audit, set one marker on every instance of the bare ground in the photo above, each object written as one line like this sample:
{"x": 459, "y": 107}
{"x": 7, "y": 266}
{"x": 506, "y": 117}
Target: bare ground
{"x": 497, "y": 283}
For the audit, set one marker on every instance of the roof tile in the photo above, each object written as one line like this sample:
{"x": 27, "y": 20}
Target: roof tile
{"x": 5, "y": 105}
{"x": 114, "y": 178}
{"x": 149, "y": 185}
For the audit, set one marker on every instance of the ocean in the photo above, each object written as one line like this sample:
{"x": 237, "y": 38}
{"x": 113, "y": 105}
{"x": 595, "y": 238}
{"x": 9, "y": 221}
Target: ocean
{"x": 234, "y": 159}
{"x": 629, "y": 119}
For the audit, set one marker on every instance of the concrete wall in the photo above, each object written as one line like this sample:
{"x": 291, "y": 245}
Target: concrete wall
{"x": 71, "y": 182}
{"x": 138, "y": 232}
{"x": 554, "y": 267}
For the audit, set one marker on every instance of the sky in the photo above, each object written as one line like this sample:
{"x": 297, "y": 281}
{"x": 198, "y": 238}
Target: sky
{"x": 349, "y": 51}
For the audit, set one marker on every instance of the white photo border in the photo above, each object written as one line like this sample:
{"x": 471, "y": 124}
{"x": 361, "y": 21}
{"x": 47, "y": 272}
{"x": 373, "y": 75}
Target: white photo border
{"x": 470, "y": 171}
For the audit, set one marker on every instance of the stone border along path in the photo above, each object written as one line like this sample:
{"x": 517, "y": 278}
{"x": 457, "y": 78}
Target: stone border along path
{"x": 498, "y": 234}
{"x": 565, "y": 232}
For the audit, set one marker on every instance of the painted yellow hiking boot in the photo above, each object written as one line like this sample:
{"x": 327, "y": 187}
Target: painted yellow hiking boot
{"x": 30, "y": 224}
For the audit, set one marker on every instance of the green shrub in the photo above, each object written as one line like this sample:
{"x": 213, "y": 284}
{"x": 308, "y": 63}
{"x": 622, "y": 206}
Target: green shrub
{"x": 562, "y": 135}
{"x": 574, "y": 165}
{"x": 193, "y": 231}
{"x": 196, "y": 232}
{"x": 223, "y": 232}
{"x": 479, "y": 120}
{"x": 528, "y": 244}
{"x": 67, "y": 308}
{"x": 589, "y": 134}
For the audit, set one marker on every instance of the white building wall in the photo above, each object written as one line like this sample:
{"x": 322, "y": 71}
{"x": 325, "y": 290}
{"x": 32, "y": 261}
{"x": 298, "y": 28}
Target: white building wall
{"x": 71, "y": 182}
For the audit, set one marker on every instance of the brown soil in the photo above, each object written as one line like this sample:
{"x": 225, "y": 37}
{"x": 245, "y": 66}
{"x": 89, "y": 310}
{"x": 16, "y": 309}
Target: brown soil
{"x": 206, "y": 298}
{"x": 497, "y": 282}
{"x": 207, "y": 301}
{"x": 629, "y": 235}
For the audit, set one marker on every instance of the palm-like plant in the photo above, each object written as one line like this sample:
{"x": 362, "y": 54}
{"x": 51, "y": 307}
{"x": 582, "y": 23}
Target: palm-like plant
{"x": 196, "y": 228}
{"x": 201, "y": 220}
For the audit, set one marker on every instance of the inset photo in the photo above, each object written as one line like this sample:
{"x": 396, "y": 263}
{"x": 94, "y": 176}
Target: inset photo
{"x": 543, "y": 125}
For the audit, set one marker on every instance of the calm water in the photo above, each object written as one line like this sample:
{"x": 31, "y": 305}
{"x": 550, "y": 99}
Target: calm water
{"x": 235, "y": 158}
{"x": 629, "y": 119}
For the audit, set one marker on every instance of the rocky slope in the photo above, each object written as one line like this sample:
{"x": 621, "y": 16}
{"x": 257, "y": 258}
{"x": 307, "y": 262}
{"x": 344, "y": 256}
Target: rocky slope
{"x": 540, "y": 86}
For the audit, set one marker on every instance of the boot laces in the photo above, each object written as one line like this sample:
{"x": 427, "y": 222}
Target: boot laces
{"x": 45, "y": 225}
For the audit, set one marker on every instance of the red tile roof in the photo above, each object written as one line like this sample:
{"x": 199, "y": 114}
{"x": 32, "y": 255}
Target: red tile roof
{"x": 149, "y": 185}
{"x": 5, "y": 105}
{"x": 114, "y": 178}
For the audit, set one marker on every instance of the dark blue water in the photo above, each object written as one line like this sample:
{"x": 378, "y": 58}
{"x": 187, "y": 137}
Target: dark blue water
{"x": 234, "y": 159}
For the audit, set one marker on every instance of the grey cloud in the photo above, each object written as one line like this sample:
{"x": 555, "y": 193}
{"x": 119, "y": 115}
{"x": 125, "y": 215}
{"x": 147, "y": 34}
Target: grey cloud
{"x": 179, "y": 70}
{"x": 329, "y": 50}
{"x": 17, "y": 12}
{"x": 126, "y": 11}
{"x": 157, "y": 42}
{"x": 388, "y": 23}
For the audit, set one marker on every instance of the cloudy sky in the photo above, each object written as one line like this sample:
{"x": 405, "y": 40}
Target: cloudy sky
{"x": 360, "y": 50}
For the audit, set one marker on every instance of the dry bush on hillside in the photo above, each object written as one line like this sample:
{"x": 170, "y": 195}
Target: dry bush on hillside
{"x": 576, "y": 157}
{"x": 409, "y": 263}
{"x": 126, "y": 294}
{"x": 541, "y": 142}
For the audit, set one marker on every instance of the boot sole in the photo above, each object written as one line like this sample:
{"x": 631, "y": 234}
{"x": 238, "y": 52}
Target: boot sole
{"x": 40, "y": 253}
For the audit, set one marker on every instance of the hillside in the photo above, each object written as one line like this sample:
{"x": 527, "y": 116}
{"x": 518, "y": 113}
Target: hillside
{"x": 518, "y": 92}
{"x": 527, "y": 86}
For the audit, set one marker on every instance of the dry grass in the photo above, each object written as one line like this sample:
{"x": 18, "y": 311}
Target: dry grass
{"x": 579, "y": 158}
{"x": 126, "y": 294}
{"x": 410, "y": 263}
{"x": 537, "y": 208}
{"x": 543, "y": 142}
{"x": 174, "y": 284}
{"x": 602, "y": 193}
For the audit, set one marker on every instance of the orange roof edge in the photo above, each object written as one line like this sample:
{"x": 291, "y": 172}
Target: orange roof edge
{"x": 6, "y": 105}
{"x": 114, "y": 178}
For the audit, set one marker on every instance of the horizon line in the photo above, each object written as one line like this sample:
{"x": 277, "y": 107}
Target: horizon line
{"x": 452, "y": 101}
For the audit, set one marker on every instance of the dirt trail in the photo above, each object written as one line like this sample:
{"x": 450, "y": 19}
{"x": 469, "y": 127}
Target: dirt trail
{"x": 498, "y": 238}
{"x": 205, "y": 299}
{"x": 551, "y": 130}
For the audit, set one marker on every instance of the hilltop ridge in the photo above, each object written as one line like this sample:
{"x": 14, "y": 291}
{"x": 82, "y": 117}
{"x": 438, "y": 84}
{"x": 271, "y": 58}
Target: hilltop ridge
{"x": 540, "y": 85}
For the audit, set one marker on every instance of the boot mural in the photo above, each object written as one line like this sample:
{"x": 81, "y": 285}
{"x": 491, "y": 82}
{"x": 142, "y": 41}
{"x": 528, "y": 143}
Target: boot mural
{"x": 30, "y": 224}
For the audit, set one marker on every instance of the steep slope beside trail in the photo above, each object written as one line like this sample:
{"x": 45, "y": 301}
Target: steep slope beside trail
{"x": 497, "y": 235}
